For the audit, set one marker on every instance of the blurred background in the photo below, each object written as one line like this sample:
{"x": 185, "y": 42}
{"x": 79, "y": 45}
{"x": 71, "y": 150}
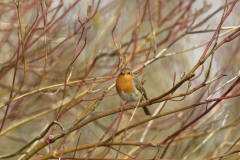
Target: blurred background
{"x": 57, "y": 58}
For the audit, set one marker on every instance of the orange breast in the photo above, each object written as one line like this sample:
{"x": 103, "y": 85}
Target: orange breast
{"x": 124, "y": 84}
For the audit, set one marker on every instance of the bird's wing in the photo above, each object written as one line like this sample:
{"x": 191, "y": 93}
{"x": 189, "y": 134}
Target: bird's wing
{"x": 140, "y": 88}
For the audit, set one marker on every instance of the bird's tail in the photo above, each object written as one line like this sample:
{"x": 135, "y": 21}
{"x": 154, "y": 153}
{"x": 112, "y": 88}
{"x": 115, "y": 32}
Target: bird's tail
{"x": 146, "y": 111}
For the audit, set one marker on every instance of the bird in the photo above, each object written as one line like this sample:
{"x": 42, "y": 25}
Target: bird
{"x": 130, "y": 89}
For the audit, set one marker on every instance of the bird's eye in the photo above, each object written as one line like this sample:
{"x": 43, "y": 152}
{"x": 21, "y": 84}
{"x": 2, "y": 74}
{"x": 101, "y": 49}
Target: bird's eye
{"x": 129, "y": 72}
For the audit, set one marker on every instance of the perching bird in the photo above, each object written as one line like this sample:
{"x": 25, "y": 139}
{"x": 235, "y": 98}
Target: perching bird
{"x": 130, "y": 89}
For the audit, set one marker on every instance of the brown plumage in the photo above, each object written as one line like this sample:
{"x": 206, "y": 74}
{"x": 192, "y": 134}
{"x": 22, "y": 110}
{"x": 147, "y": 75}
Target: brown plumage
{"x": 130, "y": 89}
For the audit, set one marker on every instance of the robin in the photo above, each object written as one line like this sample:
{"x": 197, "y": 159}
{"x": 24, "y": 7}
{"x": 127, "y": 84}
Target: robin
{"x": 130, "y": 89}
